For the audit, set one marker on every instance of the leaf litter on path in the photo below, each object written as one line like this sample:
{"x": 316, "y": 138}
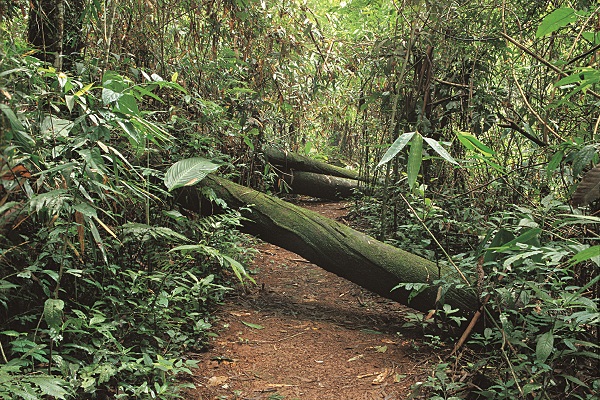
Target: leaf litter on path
{"x": 313, "y": 335}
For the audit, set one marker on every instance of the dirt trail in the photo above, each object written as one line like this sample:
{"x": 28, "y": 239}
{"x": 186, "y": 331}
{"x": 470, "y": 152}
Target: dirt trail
{"x": 304, "y": 333}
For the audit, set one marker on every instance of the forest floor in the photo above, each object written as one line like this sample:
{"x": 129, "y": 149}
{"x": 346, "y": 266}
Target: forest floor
{"x": 304, "y": 333}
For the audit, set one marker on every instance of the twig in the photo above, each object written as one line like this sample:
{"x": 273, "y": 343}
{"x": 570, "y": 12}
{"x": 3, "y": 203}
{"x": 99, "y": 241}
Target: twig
{"x": 542, "y": 60}
{"x": 513, "y": 125}
{"x": 539, "y": 118}
{"x": 436, "y": 241}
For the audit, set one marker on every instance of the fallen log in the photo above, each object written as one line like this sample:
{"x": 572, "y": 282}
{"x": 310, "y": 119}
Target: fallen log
{"x": 335, "y": 247}
{"x": 321, "y": 186}
{"x": 292, "y": 161}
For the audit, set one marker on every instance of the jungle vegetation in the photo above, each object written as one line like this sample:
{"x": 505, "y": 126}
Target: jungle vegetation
{"x": 475, "y": 125}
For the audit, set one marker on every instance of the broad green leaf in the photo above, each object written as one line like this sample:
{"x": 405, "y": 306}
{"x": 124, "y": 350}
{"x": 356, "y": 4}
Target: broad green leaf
{"x": 554, "y": 162}
{"x": 70, "y": 102}
{"x": 109, "y": 96}
{"x": 437, "y": 147}
{"x": 253, "y": 326}
{"x": 188, "y": 172}
{"x": 530, "y": 387}
{"x": 575, "y": 380}
{"x": 555, "y": 20}
{"x": 237, "y": 268}
{"x": 544, "y": 347}
{"x": 53, "y": 312}
{"x": 53, "y": 127}
{"x": 50, "y": 386}
{"x": 591, "y": 253}
{"x": 396, "y": 147}
{"x": 415, "y": 157}
{"x": 127, "y": 105}
{"x": 12, "y": 118}
{"x": 583, "y": 158}
{"x": 471, "y": 142}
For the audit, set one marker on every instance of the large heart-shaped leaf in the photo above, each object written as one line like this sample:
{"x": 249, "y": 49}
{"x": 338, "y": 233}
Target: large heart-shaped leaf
{"x": 188, "y": 172}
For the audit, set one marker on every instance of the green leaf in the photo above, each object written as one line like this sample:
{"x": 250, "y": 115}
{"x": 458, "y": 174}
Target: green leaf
{"x": 472, "y": 143}
{"x": 591, "y": 253}
{"x": 253, "y": 326}
{"x": 109, "y": 96}
{"x": 531, "y": 387}
{"x": 415, "y": 157}
{"x": 53, "y": 127}
{"x": 440, "y": 150}
{"x": 62, "y": 79}
{"x": 188, "y": 172}
{"x": 583, "y": 158}
{"x": 544, "y": 347}
{"x": 396, "y": 147}
{"x": 554, "y": 162}
{"x": 12, "y": 118}
{"x": 53, "y": 312}
{"x": 555, "y": 20}
{"x": 50, "y": 386}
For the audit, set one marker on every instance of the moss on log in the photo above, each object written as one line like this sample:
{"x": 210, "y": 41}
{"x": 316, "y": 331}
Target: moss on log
{"x": 319, "y": 185}
{"x": 292, "y": 161}
{"x": 335, "y": 247}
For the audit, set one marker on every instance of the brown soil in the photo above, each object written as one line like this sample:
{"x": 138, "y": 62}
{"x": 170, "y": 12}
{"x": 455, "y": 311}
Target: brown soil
{"x": 304, "y": 333}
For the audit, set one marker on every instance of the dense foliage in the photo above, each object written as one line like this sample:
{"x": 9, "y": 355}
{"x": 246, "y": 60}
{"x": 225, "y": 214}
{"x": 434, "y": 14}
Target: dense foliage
{"x": 474, "y": 121}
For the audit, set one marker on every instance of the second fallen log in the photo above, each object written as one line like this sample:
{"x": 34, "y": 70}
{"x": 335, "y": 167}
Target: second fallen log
{"x": 319, "y": 185}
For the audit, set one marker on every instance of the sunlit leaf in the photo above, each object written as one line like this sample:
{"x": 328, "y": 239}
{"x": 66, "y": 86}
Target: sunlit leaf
{"x": 437, "y": 147}
{"x": 62, "y": 79}
{"x": 188, "y": 172}
{"x": 396, "y": 147}
{"x": 415, "y": 157}
{"x": 555, "y": 20}
{"x": 591, "y": 253}
{"x": 471, "y": 142}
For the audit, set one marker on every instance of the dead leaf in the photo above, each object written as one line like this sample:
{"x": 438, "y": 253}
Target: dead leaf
{"x": 356, "y": 358}
{"x": 380, "y": 349}
{"x": 217, "y": 380}
{"x": 382, "y": 376}
{"x": 366, "y": 375}
{"x": 239, "y": 313}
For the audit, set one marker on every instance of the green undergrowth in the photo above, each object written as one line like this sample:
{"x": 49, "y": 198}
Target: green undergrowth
{"x": 536, "y": 270}
{"x": 94, "y": 302}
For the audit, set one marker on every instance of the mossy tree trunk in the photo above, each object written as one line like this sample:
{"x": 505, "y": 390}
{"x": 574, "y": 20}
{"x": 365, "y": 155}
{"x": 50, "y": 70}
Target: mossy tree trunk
{"x": 292, "y": 161}
{"x": 335, "y": 247}
{"x": 319, "y": 185}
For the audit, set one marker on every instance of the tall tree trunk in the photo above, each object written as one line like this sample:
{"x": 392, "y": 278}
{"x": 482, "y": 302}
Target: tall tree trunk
{"x": 54, "y": 28}
{"x": 335, "y": 247}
